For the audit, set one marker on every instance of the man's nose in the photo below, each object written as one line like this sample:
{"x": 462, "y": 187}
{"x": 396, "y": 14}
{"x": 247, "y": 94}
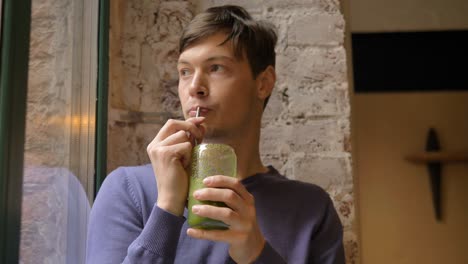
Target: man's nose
{"x": 198, "y": 86}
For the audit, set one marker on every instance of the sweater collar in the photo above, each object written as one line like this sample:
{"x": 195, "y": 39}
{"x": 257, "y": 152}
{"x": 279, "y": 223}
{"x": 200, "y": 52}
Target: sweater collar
{"x": 257, "y": 178}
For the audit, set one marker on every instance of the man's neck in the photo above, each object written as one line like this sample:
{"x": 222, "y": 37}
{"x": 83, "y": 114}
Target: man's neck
{"x": 248, "y": 160}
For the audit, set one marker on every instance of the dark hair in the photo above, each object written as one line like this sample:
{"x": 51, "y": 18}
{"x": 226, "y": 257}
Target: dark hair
{"x": 256, "y": 38}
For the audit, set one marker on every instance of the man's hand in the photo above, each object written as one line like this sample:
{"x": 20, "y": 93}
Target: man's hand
{"x": 170, "y": 154}
{"x": 244, "y": 237}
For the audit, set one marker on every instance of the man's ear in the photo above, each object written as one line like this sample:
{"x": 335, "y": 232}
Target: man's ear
{"x": 266, "y": 82}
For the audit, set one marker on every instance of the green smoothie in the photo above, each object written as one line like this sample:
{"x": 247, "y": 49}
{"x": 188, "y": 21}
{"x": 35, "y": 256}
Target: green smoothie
{"x": 209, "y": 160}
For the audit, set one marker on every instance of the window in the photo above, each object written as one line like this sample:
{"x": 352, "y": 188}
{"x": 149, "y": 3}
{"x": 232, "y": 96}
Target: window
{"x": 60, "y": 123}
{"x": 53, "y": 188}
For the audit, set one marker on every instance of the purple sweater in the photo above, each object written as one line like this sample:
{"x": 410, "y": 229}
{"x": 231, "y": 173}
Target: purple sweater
{"x": 297, "y": 219}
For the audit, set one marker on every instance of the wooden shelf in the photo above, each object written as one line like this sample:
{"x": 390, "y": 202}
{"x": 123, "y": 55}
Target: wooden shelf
{"x": 438, "y": 156}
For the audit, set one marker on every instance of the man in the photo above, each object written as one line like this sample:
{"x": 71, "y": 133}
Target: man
{"x": 226, "y": 67}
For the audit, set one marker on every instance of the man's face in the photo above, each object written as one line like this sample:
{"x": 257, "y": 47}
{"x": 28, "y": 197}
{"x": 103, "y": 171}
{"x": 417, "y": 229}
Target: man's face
{"x": 210, "y": 76}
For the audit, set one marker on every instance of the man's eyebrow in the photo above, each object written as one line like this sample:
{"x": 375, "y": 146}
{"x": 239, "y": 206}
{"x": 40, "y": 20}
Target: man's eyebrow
{"x": 221, "y": 57}
{"x": 183, "y": 62}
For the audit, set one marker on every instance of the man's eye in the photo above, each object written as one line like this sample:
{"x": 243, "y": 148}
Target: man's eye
{"x": 217, "y": 68}
{"x": 184, "y": 72}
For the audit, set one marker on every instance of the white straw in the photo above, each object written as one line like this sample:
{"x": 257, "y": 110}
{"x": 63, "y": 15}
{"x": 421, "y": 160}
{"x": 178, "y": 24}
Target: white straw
{"x": 197, "y": 115}
{"x": 198, "y": 112}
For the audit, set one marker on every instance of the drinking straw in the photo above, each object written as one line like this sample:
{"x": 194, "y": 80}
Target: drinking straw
{"x": 197, "y": 115}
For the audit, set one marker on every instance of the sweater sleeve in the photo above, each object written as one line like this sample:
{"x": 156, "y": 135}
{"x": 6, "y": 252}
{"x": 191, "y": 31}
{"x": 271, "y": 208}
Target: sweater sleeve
{"x": 327, "y": 242}
{"x": 116, "y": 233}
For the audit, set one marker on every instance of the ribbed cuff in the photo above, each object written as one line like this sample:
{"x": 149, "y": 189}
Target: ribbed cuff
{"x": 161, "y": 233}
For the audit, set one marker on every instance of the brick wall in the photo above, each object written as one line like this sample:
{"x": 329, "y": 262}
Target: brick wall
{"x": 306, "y": 126}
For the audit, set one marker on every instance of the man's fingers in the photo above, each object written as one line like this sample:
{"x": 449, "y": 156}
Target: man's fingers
{"x": 176, "y": 138}
{"x": 223, "y": 214}
{"x": 181, "y": 151}
{"x": 175, "y": 132}
{"x": 228, "y": 196}
{"x": 172, "y": 126}
{"x": 220, "y": 181}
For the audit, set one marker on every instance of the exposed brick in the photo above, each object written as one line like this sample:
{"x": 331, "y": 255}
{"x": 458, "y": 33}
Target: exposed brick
{"x": 312, "y": 68}
{"x": 274, "y": 108}
{"x": 327, "y": 172}
{"x": 329, "y": 6}
{"x": 316, "y": 28}
{"x": 316, "y": 136}
{"x": 276, "y": 139}
{"x": 313, "y": 136}
{"x": 130, "y": 152}
{"x": 254, "y": 7}
{"x": 306, "y": 104}
{"x": 351, "y": 246}
{"x": 325, "y": 5}
{"x": 277, "y": 161}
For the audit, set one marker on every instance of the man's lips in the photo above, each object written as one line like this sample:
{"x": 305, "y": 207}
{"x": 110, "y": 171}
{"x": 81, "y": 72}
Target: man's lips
{"x": 203, "y": 111}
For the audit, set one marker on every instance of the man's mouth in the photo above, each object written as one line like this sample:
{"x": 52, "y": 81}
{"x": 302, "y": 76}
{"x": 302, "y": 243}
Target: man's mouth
{"x": 202, "y": 111}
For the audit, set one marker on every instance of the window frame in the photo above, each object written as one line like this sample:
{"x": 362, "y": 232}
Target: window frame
{"x": 15, "y": 33}
{"x": 102, "y": 94}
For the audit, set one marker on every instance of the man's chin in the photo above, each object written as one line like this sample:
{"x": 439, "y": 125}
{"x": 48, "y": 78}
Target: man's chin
{"x": 215, "y": 136}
